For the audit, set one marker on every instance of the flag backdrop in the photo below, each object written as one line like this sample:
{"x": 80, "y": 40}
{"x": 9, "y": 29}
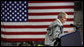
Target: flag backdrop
{"x": 28, "y": 20}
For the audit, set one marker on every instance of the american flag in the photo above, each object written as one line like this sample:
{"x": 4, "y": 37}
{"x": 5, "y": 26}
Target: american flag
{"x": 28, "y": 20}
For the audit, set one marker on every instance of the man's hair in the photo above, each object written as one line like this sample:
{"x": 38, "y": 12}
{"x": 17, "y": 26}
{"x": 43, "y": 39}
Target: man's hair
{"x": 61, "y": 14}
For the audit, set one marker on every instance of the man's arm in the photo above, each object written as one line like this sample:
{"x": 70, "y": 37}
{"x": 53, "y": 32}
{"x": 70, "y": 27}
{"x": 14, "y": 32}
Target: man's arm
{"x": 50, "y": 28}
{"x": 57, "y": 32}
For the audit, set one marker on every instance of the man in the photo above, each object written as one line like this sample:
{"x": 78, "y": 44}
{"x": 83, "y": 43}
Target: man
{"x": 54, "y": 31}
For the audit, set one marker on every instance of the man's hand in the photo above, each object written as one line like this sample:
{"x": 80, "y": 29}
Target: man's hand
{"x": 70, "y": 31}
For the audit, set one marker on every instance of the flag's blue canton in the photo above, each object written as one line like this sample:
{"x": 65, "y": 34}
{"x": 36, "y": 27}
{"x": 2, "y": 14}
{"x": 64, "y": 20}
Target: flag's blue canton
{"x": 14, "y": 11}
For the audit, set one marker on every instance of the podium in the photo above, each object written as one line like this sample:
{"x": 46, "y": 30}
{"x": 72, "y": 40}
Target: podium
{"x": 71, "y": 39}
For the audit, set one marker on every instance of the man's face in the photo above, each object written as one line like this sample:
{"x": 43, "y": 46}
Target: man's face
{"x": 63, "y": 19}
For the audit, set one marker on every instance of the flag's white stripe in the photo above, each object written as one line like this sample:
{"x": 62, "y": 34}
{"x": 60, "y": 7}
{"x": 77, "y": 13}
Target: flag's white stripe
{"x": 29, "y": 29}
{"x": 52, "y": 4}
{"x": 48, "y": 17}
{"x": 49, "y": 10}
{"x": 68, "y": 23}
{"x": 25, "y": 23}
{"x": 24, "y": 30}
{"x": 22, "y": 36}
{"x": 33, "y": 23}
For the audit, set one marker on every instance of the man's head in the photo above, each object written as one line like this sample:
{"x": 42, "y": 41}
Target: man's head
{"x": 62, "y": 16}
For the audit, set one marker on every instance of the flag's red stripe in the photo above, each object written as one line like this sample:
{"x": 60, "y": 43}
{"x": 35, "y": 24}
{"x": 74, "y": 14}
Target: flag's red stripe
{"x": 70, "y": 19}
{"x": 24, "y": 33}
{"x": 48, "y": 1}
{"x": 41, "y": 20}
{"x": 45, "y": 20}
{"x": 67, "y": 26}
{"x": 22, "y": 39}
{"x": 52, "y": 13}
{"x": 50, "y": 7}
{"x": 65, "y": 31}
{"x": 30, "y": 26}
{"x": 47, "y": 14}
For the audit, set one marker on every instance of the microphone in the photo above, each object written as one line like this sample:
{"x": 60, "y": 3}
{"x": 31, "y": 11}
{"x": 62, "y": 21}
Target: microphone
{"x": 74, "y": 26}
